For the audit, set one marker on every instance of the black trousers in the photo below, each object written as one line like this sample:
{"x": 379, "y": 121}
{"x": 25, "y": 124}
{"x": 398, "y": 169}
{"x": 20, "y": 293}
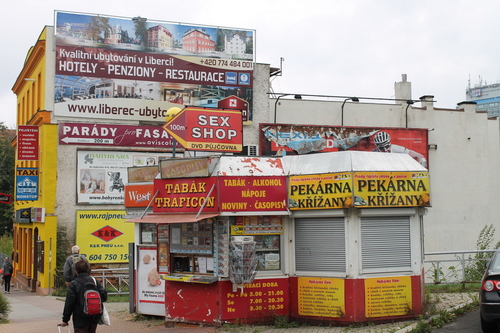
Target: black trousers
{"x": 6, "y": 281}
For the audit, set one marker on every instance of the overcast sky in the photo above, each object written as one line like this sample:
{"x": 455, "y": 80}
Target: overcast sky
{"x": 330, "y": 47}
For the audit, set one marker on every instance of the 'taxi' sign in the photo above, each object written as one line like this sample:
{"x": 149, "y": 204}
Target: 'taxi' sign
{"x": 207, "y": 129}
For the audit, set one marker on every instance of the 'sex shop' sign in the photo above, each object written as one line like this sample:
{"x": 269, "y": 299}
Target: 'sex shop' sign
{"x": 207, "y": 129}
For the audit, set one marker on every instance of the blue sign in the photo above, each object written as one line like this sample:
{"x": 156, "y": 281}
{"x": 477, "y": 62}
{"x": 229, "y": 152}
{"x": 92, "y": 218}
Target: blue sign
{"x": 27, "y": 184}
{"x": 244, "y": 79}
{"x": 230, "y": 78}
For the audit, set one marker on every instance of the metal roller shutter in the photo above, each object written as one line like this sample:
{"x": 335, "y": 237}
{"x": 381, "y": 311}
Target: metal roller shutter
{"x": 385, "y": 243}
{"x": 320, "y": 245}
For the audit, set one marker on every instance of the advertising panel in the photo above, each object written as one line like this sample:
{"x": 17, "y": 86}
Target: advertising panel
{"x": 26, "y": 184}
{"x": 390, "y": 296}
{"x": 391, "y": 189}
{"x": 278, "y": 139}
{"x": 113, "y": 135}
{"x": 262, "y": 298}
{"x": 136, "y": 69}
{"x": 359, "y": 189}
{"x": 185, "y": 195}
{"x": 102, "y": 175}
{"x": 150, "y": 287}
{"x": 322, "y": 191}
{"x": 27, "y": 143}
{"x": 195, "y": 167}
{"x": 207, "y": 129}
{"x": 321, "y": 297}
{"x": 138, "y": 195}
{"x": 266, "y": 193}
{"x": 103, "y": 236}
{"x": 143, "y": 173}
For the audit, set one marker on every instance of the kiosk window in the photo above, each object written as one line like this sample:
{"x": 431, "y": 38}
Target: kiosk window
{"x": 147, "y": 233}
{"x": 193, "y": 264}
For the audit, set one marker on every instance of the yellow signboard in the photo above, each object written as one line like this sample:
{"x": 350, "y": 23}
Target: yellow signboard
{"x": 103, "y": 236}
{"x": 386, "y": 297}
{"x": 391, "y": 189}
{"x": 321, "y": 297}
{"x": 322, "y": 191}
{"x": 359, "y": 189}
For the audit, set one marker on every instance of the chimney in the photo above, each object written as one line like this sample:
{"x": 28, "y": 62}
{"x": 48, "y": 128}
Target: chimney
{"x": 427, "y": 101}
{"x": 402, "y": 90}
{"x": 468, "y": 106}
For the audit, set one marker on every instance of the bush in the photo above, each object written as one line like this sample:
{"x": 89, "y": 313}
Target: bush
{"x": 474, "y": 270}
{"x": 5, "y": 307}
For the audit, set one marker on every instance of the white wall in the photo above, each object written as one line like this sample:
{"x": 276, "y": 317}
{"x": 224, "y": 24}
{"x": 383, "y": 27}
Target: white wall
{"x": 465, "y": 184}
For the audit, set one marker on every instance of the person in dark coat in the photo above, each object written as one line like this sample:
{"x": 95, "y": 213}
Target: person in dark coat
{"x": 7, "y": 274}
{"x": 73, "y": 306}
{"x": 68, "y": 265}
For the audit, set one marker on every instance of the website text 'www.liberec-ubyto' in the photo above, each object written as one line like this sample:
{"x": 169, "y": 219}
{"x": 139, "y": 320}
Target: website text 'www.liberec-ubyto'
{"x": 103, "y": 108}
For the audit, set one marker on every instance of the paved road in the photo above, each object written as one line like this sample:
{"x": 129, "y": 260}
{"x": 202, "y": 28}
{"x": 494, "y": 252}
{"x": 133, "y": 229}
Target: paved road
{"x": 468, "y": 323}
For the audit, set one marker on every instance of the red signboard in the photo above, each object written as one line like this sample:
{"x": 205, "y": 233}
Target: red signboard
{"x": 114, "y": 135}
{"x": 156, "y": 67}
{"x": 236, "y": 103}
{"x": 186, "y": 195}
{"x": 207, "y": 129}
{"x": 260, "y": 299}
{"x": 267, "y": 193}
{"x": 5, "y": 198}
{"x": 138, "y": 195}
{"x": 27, "y": 143}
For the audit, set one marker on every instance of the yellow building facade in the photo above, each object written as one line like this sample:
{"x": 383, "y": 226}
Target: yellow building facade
{"x": 35, "y": 242}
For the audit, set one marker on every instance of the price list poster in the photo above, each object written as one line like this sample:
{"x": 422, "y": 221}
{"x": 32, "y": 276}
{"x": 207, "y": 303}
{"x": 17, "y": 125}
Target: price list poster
{"x": 386, "y": 297}
{"x": 321, "y": 297}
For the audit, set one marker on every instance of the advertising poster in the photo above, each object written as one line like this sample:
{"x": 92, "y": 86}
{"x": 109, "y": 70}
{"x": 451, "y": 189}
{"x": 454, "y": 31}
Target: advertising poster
{"x": 277, "y": 139}
{"x": 322, "y": 191}
{"x": 321, "y": 297}
{"x": 102, "y": 175}
{"x": 103, "y": 236}
{"x": 391, "y": 189}
{"x": 150, "y": 287}
{"x": 136, "y": 69}
{"x": 386, "y": 297}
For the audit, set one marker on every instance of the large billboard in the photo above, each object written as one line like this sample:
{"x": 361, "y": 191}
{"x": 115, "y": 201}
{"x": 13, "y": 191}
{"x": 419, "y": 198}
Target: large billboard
{"x": 280, "y": 139}
{"x": 136, "y": 69}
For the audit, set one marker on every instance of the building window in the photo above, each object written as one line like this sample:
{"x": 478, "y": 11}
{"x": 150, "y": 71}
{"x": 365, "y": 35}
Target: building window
{"x": 320, "y": 245}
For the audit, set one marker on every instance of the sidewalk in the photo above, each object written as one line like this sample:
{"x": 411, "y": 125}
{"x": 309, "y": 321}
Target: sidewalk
{"x": 41, "y": 314}
{"x": 35, "y": 314}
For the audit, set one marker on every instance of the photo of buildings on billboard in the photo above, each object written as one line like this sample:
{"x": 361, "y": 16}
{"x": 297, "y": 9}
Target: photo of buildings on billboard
{"x": 137, "y": 69}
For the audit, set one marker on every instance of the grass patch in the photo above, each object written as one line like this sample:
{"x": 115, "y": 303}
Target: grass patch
{"x": 452, "y": 287}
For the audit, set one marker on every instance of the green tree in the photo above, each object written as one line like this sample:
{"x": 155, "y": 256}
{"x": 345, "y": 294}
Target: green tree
{"x": 141, "y": 32}
{"x": 99, "y": 28}
{"x": 7, "y": 159}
